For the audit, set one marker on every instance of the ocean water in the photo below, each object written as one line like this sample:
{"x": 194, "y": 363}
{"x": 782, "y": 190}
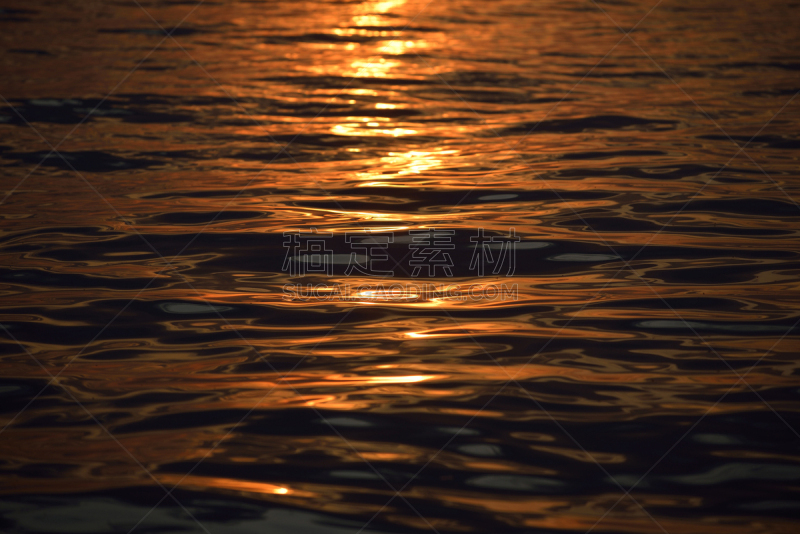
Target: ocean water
{"x": 399, "y": 266}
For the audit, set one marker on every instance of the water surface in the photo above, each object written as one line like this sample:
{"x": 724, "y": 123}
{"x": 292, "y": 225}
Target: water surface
{"x": 644, "y": 379}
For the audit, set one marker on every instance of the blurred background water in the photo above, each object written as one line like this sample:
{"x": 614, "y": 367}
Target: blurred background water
{"x": 643, "y": 380}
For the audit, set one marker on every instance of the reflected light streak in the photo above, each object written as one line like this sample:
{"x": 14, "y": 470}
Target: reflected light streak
{"x": 352, "y": 129}
{"x": 396, "y": 48}
{"x": 383, "y": 7}
{"x": 372, "y": 68}
{"x": 233, "y": 484}
{"x": 366, "y": 380}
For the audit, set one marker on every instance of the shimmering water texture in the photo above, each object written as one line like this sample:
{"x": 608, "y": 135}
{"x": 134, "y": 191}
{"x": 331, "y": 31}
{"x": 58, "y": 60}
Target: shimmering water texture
{"x": 156, "y": 378}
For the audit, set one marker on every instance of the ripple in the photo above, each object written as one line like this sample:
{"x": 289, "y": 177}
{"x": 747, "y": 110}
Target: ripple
{"x": 517, "y": 483}
{"x": 740, "y": 471}
{"x": 584, "y": 257}
{"x": 188, "y": 308}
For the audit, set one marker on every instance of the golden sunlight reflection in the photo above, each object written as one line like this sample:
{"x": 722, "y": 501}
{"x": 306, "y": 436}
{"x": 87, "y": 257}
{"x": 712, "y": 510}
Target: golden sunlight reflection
{"x": 372, "y": 129}
{"x": 412, "y": 162}
{"x": 370, "y": 63}
{"x": 383, "y": 7}
{"x": 376, "y": 67}
{"x": 233, "y": 484}
{"x": 370, "y": 380}
{"x": 397, "y": 48}
{"x": 416, "y": 161}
